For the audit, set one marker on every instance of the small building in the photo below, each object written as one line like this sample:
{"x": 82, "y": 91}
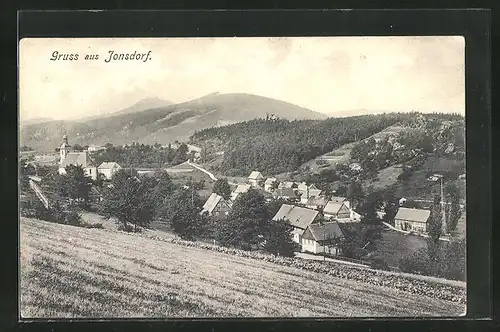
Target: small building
{"x": 79, "y": 159}
{"x": 269, "y": 183}
{"x": 217, "y": 206}
{"x": 255, "y": 178}
{"x": 309, "y": 193}
{"x": 287, "y": 184}
{"x": 95, "y": 148}
{"x": 240, "y": 189}
{"x": 302, "y": 187}
{"x": 317, "y": 203}
{"x": 338, "y": 209}
{"x": 322, "y": 238}
{"x": 415, "y": 220}
{"x": 108, "y": 169}
{"x": 285, "y": 193}
{"x": 298, "y": 217}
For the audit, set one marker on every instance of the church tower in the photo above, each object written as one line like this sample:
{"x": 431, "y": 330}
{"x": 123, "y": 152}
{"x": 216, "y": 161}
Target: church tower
{"x": 64, "y": 149}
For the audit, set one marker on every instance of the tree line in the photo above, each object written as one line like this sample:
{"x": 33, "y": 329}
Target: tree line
{"x": 282, "y": 145}
{"x": 143, "y": 155}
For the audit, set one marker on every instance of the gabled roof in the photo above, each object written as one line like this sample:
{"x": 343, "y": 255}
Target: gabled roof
{"x": 302, "y": 186}
{"x": 297, "y": 216}
{"x": 213, "y": 201}
{"x": 338, "y": 199}
{"x": 317, "y": 201}
{"x": 255, "y": 175}
{"x": 323, "y": 231}
{"x": 416, "y": 215}
{"x": 287, "y": 184}
{"x": 270, "y": 181}
{"x": 109, "y": 165}
{"x": 285, "y": 192}
{"x": 314, "y": 192}
{"x": 333, "y": 206}
{"x": 242, "y": 188}
{"x": 77, "y": 158}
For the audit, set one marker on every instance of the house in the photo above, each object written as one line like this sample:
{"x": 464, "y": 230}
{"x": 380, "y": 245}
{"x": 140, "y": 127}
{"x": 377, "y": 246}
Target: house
{"x": 298, "y": 217}
{"x": 412, "y": 219}
{"x": 287, "y": 184}
{"x": 338, "y": 208}
{"x": 79, "y": 159}
{"x": 310, "y": 193}
{"x": 316, "y": 203}
{"x": 285, "y": 193}
{"x": 268, "y": 184}
{"x": 322, "y": 238}
{"x": 95, "y": 148}
{"x": 402, "y": 201}
{"x": 108, "y": 169}
{"x": 240, "y": 189}
{"x": 254, "y": 178}
{"x": 75, "y": 158}
{"x": 302, "y": 187}
{"x": 217, "y": 206}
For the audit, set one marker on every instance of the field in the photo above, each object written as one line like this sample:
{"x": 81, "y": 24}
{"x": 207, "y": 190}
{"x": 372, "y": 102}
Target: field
{"x": 394, "y": 245}
{"x": 68, "y": 271}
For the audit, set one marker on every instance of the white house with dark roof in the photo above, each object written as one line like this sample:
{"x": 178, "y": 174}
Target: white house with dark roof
{"x": 217, "y": 206}
{"x": 322, "y": 238}
{"x": 298, "y": 217}
{"x": 339, "y": 208}
{"x": 108, "y": 169}
{"x": 255, "y": 177}
{"x": 415, "y": 220}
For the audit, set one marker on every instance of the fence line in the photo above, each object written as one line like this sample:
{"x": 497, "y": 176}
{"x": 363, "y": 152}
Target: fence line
{"x": 39, "y": 194}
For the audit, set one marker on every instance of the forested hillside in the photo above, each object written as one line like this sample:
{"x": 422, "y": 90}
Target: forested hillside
{"x": 148, "y": 123}
{"x": 276, "y": 146}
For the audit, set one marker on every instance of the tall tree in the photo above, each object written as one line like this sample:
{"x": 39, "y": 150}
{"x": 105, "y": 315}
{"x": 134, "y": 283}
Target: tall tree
{"x": 222, "y": 188}
{"x": 369, "y": 208}
{"x": 434, "y": 228}
{"x": 354, "y": 193}
{"x": 182, "y": 212}
{"x": 128, "y": 200}
{"x": 75, "y": 184}
{"x": 181, "y": 154}
{"x": 453, "y": 211}
{"x": 278, "y": 238}
{"x": 245, "y": 224}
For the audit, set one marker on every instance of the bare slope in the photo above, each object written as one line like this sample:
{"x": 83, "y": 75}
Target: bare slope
{"x": 144, "y": 124}
{"x": 76, "y": 272}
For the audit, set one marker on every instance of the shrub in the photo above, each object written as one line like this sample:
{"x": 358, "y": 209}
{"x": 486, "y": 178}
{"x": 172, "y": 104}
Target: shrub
{"x": 73, "y": 218}
{"x": 379, "y": 264}
{"x": 89, "y": 225}
{"x": 127, "y": 227}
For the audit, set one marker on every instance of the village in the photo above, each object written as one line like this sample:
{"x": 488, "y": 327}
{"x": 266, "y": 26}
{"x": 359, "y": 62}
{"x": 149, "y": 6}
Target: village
{"x": 318, "y": 219}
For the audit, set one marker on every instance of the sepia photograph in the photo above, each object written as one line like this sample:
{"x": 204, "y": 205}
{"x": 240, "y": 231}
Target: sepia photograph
{"x": 223, "y": 177}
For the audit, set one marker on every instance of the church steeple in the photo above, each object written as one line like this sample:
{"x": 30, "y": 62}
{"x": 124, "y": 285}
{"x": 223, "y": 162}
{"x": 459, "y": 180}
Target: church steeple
{"x": 64, "y": 149}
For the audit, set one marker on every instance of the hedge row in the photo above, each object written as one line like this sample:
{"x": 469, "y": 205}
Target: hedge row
{"x": 373, "y": 277}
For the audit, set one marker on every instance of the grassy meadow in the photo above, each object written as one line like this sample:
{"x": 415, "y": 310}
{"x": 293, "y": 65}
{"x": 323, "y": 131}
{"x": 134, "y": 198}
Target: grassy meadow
{"x": 70, "y": 272}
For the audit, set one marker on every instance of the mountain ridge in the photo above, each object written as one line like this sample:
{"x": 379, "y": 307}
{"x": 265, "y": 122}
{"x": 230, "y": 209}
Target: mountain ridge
{"x": 164, "y": 123}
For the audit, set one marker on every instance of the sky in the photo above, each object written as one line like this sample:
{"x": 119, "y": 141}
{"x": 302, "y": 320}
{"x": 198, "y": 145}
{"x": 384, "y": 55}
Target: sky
{"x": 324, "y": 74}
